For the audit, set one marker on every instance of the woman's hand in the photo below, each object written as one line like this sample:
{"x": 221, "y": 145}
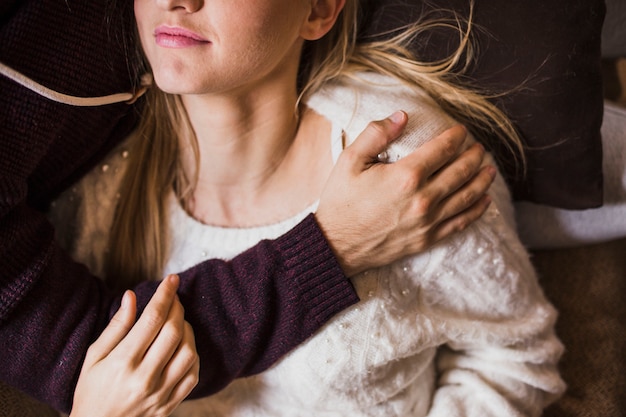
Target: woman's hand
{"x": 374, "y": 213}
{"x": 140, "y": 369}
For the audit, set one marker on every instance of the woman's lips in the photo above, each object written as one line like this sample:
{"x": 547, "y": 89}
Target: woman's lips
{"x": 175, "y": 37}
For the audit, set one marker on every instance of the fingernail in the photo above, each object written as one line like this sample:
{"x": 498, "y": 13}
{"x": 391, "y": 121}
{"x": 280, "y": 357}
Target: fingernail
{"x": 397, "y": 117}
{"x": 173, "y": 279}
{"x": 125, "y": 300}
{"x": 492, "y": 171}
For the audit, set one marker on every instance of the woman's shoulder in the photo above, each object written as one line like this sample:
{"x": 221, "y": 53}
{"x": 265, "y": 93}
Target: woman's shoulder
{"x": 370, "y": 93}
{"x": 354, "y": 102}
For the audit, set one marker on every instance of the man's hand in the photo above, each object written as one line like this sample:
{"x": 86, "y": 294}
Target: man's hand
{"x": 374, "y": 213}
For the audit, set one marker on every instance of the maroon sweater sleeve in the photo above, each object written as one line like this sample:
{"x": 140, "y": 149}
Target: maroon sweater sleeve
{"x": 245, "y": 313}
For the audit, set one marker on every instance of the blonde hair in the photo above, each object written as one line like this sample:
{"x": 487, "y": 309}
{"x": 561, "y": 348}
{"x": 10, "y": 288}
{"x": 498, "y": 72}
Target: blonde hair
{"x": 138, "y": 244}
{"x": 339, "y": 55}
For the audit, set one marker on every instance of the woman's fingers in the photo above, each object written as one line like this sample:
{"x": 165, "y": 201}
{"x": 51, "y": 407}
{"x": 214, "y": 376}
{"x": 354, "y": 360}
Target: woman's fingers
{"x": 160, "y": 353}
{"x": 185, "y": 385}
{"x": 148, "y": 370}
{"x": 152, "y": 319}
{"x": 116, "y": 330}
{"x": 181, "y": 374}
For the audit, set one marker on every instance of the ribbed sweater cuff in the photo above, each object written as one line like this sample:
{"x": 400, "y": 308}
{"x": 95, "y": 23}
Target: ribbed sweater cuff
{"x": 312, "y": 264}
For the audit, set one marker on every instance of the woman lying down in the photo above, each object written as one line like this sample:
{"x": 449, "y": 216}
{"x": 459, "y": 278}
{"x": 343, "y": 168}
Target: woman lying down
{"x": 462, "y": 329}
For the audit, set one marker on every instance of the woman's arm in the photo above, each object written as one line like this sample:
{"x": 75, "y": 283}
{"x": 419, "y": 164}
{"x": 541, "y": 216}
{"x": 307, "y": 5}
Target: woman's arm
{"x": 501, "y": 352}
{"x": 477, "y": 296}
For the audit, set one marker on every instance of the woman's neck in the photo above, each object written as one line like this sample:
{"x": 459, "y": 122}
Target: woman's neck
{"x": 260, "y": 161}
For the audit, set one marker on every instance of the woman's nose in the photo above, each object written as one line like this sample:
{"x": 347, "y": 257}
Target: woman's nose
{"x": 189, "y": 6}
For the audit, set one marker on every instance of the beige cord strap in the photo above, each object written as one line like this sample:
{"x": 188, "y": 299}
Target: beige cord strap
{"x": 72, "y": 100}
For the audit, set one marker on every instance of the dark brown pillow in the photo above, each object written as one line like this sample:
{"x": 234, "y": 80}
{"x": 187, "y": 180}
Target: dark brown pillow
{"x": 552, "y": 47}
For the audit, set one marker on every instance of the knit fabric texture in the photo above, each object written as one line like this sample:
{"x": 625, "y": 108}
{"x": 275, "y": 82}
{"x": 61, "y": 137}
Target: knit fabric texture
{"x": 462, "y": 329}
{"x": 48, "y": 299}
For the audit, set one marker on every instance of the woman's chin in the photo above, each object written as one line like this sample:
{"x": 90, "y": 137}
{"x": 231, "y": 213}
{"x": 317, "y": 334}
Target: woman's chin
{"x": 174, "y": 85}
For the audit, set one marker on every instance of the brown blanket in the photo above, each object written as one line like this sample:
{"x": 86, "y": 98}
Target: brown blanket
{"x": 588, "y": 287}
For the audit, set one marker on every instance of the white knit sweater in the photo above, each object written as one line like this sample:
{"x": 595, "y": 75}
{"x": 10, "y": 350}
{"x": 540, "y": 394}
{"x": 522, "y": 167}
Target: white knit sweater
{"x": 461, "y": 330}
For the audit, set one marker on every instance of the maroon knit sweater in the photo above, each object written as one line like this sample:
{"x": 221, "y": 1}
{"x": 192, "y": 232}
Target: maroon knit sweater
{"x": 246, "y": 313}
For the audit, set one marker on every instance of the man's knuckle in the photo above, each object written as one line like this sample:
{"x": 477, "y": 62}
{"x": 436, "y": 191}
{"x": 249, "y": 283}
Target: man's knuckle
{"x": 422, "y": 207}
{"x": 350, "y": 156}
{"x": 377, "y": 128}
{"x": 467, "y": 171}
{"x": 461, "y": 224}
{"x": 449, "y": 147}
{"x": 408, "y": 179}
{"x": 424, "y": 242}
{"x": 468, "y": 197}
